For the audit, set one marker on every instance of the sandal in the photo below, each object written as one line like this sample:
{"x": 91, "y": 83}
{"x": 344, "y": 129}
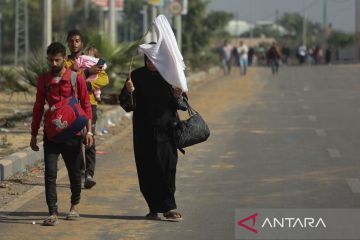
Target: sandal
{"x": 52, "y": 220}
{"x": 152, "y": 216}
{"x": 172, "y": 216}
{"x": 72, "y": 215}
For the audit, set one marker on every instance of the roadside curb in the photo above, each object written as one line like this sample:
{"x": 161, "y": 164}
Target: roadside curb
{"x": 19, "y": 161}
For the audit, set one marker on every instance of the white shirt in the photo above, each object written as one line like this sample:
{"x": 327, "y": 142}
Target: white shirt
{"x": 302, "y": 50}
{"x": 243, "y": 51}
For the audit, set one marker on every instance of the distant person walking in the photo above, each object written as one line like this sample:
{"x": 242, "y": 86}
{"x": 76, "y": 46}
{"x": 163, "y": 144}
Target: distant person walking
{"x": 274, "y": 55}
{"x": 302, "y": 51}
{"x": 243, "y": 57}
{"x": 318, "y": 55}
{"x": 285, "y": 54}
{"x": 226, "y": 53}
{"x": 328, "y": 55}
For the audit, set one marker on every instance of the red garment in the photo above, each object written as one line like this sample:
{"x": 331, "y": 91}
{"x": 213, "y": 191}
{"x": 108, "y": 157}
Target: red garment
{"x": 55, "y": 93}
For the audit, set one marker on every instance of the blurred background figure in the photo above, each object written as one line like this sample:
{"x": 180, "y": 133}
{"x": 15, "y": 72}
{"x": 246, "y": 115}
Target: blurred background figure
{"x": 274, "y": 55}
{"x": 226, "y": 53}
{"x": 243, "y": 57}
{"x": 318, "y": 55}
{"x": 251, "y": 56}
{"x": 285, "y": 54}
{"x": 328, "y": 55}
{"x": 302, "y": 52}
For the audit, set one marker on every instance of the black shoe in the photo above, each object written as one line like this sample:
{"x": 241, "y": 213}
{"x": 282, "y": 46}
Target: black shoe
{"x": 89, "y": 182}
{"x": 152, "y": 216}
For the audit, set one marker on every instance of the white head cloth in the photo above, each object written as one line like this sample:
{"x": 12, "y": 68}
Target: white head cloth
{"x": 165, "y": 54}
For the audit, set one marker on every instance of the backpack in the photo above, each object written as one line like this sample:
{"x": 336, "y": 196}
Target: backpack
{"x": 65, "y": 118}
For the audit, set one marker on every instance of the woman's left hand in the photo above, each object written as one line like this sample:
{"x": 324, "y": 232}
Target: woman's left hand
{"x": 177, "y": 92}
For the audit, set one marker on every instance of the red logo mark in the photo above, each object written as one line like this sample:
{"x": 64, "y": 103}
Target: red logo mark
{"x": 241, "y": 223}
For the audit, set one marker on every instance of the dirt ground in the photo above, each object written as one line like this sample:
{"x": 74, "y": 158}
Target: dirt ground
{"x": 205, "y": 96}
{"x": 15, "y": 121}
{"x": 15, "y": 128}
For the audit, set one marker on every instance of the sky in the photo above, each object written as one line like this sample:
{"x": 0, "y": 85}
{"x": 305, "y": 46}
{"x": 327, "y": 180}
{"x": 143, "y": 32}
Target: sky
{"x": 340, "y": 13}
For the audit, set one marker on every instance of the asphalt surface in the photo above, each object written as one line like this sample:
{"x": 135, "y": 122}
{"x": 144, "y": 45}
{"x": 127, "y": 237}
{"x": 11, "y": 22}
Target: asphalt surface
{"x": 293, "y": 144}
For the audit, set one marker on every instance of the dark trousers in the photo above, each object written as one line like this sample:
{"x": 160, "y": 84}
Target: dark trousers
{"x": 72, "y": 155}
{"x": 90, "y": 153}
{"x": 274, "y": 66}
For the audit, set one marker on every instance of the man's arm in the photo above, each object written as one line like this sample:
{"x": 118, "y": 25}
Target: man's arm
{"x": 101, "y": 81}
{"x": 38, "y": 111}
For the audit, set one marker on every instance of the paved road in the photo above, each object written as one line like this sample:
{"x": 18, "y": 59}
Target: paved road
{"x": 293, "y": 144}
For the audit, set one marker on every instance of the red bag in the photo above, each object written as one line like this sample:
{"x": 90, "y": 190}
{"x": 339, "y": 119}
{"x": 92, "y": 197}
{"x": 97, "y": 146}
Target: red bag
{"x": 65, "y": 118}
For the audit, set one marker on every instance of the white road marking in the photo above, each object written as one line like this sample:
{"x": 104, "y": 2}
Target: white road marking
{"x": 306, "y": 107}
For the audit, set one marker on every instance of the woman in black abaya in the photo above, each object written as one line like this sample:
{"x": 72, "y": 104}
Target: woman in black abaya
{"x": 153, "y": 101}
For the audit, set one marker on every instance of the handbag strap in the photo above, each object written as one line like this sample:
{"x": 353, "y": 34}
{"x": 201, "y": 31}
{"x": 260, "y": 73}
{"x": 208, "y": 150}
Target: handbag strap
{"x": 190, "y": 109}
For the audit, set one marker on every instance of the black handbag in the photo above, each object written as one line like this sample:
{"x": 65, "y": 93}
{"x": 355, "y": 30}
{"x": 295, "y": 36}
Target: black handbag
{"x": 190, "y": 131}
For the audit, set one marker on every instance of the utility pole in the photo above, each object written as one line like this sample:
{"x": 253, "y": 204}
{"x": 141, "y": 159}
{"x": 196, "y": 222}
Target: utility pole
{"x": 324, "y": 40}
{"x": 153, "y": 16}
{"x": 0, "y": 38}
{"x": 101, "y": 21}
{"x": 277, "y": 21}
{"x": 86, "y": 9}
{"x": 112, "y": 22}
{"x": 21, "y": 32}
{"x": 178, "y": 26}
{"x": 47, "y": 23}
{"x": 145, "y": 22}
{"x": 357, "y": 26}
{"x": 252, "y": 22}
{"x": 304, "y": 25}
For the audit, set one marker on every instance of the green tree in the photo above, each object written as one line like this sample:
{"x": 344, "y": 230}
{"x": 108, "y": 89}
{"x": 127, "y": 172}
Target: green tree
{"x": 8, "y": 30}
{"x": 341, "y": 39}
{"x": 196, "y": 35}
{"x": 216, "y": 22}
{"x": 76, "y": 18}
{"x": 199, "y": 30}
{"x": 293, "y": 23}
{"x": 130, "y": 28}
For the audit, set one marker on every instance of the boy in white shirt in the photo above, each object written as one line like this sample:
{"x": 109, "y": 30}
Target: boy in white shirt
{"x": 243, "y": 57}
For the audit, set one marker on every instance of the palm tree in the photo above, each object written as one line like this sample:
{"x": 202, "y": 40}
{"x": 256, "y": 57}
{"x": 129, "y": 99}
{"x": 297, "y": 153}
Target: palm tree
{"x": 9, "y": 80}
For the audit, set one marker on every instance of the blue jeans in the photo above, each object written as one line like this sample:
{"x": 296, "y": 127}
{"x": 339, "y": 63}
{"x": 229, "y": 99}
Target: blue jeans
{"x": 274, "y": 66}
{"x": 227, "y": 66}
{"x": 243, "y": 65}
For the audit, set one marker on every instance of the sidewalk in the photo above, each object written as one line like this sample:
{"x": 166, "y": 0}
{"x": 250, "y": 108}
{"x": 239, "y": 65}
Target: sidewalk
{"x": 113, "y": 209}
